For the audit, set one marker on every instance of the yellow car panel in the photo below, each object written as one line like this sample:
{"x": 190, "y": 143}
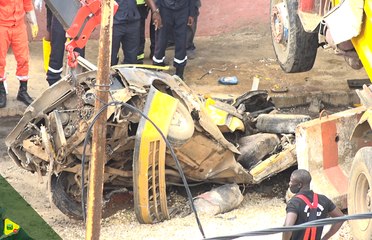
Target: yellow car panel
{"x": 362, "y": 42}
{"x": 149, "y": 159}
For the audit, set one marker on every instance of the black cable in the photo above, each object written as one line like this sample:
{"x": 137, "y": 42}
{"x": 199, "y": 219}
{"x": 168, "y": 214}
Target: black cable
{"x": 83, "y": 157}
{"x": 167, "y": 143}
{"x": 315, "y": 223}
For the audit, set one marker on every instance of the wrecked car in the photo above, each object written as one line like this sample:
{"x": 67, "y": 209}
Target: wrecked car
{"x": 231, "y": 140}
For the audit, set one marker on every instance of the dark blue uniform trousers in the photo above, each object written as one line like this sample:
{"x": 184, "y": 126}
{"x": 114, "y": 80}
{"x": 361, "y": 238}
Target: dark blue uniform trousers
{"x": 144, "y": 11}
{"x": 176, "y": 21}
{"x": 128, "y": 35}
{"x": 57, "y": 41}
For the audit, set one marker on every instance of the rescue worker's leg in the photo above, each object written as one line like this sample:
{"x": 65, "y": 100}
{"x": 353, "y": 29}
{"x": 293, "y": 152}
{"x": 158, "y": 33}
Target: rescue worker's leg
{"x": 162, "y": 37}
{"x": 130, "y": 41}
{"x": 117, "y": 34}
{"x": 2, "y": 94}
{"x": 5, "y": 33}
{"x": 19, "y": 44}
{"x": 152, "y": 39}
{"x": 22, "y": 93}
{"x": 180, "y": 33}
{"x": 46, "y": 39}
{"x": 191, "y": 30}
{"x": 58, "y": 39}
{"x": 143, "y": 10}
{"x": 170, "y": 42}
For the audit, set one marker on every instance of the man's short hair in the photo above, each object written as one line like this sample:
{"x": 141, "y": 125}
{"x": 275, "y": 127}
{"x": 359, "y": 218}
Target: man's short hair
{"x": 302, "y": 175}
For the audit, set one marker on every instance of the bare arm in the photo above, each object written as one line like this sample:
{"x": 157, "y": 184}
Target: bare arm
{"x": 155, "y": 15}
{"x": 151, "y": 5}
{"x": 335, "y": 227}
{"x": 290, "y": 220}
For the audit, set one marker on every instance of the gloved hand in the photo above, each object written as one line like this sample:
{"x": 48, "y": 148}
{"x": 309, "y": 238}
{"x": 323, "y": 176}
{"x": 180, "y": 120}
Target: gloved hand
{"x": 38, "y": 4}
{"x": 31, "y": 19}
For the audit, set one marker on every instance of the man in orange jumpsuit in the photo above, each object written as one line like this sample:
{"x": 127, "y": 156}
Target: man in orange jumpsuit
{"x": 13, "y": 33}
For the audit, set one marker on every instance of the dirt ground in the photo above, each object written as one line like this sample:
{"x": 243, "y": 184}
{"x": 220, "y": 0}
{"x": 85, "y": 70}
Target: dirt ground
{"x": 245, "y": 54}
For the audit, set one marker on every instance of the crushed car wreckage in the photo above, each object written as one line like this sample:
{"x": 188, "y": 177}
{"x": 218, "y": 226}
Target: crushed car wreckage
{"x": 228, "y": 140}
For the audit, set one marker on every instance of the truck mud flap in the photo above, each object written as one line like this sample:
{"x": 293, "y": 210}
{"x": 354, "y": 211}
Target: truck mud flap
{"x": 325, "y": 149}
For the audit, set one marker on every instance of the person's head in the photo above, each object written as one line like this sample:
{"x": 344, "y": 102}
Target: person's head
{"x": 300, "y": 180}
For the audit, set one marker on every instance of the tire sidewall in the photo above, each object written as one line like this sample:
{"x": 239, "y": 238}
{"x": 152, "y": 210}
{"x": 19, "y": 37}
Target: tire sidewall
{"x": 300, "y": 53}
{"x": 284, "y": 58}
{"x": 361, "y": 166}
{"x": 62, "y": 200}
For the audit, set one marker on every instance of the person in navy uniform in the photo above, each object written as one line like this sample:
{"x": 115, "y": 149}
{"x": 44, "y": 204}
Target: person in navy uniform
{"x": 176, "y": 16}
{"x": 127, "y": 29}
{"x": 57, "y": 36}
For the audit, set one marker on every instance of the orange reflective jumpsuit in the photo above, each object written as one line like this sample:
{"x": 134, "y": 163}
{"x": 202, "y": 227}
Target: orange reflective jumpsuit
{"x": 13, "y": 32}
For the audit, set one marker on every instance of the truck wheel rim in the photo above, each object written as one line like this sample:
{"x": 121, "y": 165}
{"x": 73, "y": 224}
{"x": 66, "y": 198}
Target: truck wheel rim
{"x": 279, "y": 26}
{"x": 363, "y": 199}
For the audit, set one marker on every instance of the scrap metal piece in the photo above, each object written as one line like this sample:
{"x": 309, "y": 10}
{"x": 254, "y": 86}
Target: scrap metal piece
{"x": 365, "y": 96}
{"x": 210, "y": 71}
{"x": 274, "y": 164}
{"x": 64, "y": 16}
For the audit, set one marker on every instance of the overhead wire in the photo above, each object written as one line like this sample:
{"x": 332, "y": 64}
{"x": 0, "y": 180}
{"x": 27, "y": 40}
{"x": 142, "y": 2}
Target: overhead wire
{"x": 315, "y": 223}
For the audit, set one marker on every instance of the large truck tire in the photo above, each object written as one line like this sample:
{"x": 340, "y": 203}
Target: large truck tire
{"x": 280, "y": 123}
{"x": 294, "y": 48}
{"x": 255, "y": 148}
{"x": 62, "y": 200}
{"x": 359, "y": 196}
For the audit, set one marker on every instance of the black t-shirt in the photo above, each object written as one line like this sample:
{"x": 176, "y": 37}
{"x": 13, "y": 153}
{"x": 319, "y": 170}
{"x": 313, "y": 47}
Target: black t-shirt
{"x": 298, "y": 206}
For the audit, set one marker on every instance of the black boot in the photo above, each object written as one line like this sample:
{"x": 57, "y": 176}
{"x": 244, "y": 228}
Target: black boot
{"x": 179, "y": 71}
{"x": 23, "y": 95}
{"x": 2, "y": 95}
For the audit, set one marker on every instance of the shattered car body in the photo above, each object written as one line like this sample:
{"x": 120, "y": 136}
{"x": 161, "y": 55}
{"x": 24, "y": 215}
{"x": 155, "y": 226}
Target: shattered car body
{"x": 207, "y": 135}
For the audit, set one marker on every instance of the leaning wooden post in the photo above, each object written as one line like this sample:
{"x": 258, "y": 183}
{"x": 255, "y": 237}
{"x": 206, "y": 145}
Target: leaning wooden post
{"x": 96, "y": 170}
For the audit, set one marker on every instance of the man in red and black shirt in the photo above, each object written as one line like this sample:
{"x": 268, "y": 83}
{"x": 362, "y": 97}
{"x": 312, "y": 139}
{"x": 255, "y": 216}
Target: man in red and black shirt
{"x": 307, "y": 206}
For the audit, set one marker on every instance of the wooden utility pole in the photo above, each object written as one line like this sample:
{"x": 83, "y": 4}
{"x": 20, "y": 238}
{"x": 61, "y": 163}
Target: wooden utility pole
{"x": 96, "y": 170}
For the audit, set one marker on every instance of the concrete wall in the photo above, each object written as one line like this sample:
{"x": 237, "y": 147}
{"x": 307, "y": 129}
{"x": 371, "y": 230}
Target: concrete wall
{"x": 216, "y": 16}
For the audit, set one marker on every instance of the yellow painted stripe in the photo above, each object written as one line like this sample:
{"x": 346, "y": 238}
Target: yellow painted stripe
{"x": 362, "y": 42}
{"x": 152, "y": 154}
{"x": 145, "y": 66}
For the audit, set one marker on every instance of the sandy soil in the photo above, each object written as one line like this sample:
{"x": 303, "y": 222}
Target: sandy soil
{"x": 263, "y": 207}
{"x": 245, "y": 54}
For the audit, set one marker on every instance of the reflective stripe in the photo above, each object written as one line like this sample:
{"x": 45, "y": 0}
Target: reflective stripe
{"x": 180, "y": 61}
{"x": 141, "y": 56}
{"x": 140, "y": 2}
{"x": 22, "y": 78}
{"x": 158, "y": 60}
{"x": 54, "y": 70}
